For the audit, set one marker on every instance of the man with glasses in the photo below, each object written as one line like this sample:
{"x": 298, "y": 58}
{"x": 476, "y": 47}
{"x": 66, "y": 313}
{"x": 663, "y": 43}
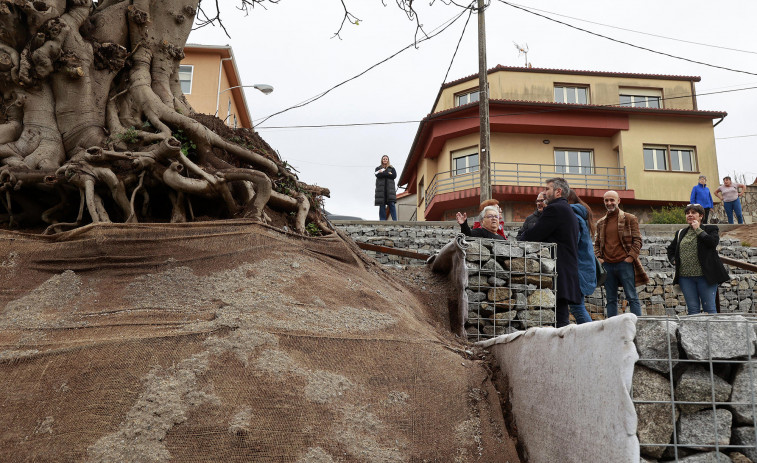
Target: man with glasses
{"x": 617, "y": 245}
{"x": 558, "y": 224}
{"x": 531, "y": 219}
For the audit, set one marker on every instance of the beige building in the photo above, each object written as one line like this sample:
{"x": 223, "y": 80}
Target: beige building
{"x": 210, "y": 80}
{"x": 640, "y": 134}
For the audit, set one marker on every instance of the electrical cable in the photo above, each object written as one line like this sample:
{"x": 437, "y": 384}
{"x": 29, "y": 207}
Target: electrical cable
{"x": 628, "y": 43}
{"x": 541, "y": 111}
{"x": 458, "y": 46}
{"x": 639, "y": 32}
{"x": 321, "y": 95}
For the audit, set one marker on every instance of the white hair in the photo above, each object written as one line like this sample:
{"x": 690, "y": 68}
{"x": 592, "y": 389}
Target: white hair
{"x": 492, "y": 208}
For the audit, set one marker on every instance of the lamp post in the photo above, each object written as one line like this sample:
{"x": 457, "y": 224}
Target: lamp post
{"x": 265, "y": 88}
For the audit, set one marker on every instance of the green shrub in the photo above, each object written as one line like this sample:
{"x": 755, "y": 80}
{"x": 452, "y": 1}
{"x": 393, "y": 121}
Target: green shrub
{"x": 668, "y": 214}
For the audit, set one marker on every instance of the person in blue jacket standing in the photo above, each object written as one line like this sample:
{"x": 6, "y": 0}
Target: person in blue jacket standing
{"x": 587, "y": 270}
{"x": 700, "y": 194}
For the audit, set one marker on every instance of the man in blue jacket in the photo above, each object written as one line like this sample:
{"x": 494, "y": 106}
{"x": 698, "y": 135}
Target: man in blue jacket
{"x": 558, "y": 224}
{"x": 700, "y": 194}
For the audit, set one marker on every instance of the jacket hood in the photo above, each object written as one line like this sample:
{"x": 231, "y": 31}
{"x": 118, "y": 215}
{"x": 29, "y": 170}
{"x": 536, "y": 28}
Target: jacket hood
{"x": 580, "y": 210}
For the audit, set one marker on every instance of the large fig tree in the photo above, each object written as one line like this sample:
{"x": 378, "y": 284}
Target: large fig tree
{"x": 95, "y": 127}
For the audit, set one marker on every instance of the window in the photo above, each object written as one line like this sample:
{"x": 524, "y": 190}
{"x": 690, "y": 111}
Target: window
{"x": 641, "y": 97}
{"x": 465, "y": 98}
{"x": 655, "y": 159}
{"x": 465, "y": 161}
{"x": 185, "y": 78}
{"x": 680, "y": 160}
{"x": 574, "y": 162}
{"x": 572, "y": 94}
{"x": 421, "y": 192}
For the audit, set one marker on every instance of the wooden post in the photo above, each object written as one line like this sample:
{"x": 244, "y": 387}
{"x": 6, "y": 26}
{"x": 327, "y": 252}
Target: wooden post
{"x": 483, "y": 109}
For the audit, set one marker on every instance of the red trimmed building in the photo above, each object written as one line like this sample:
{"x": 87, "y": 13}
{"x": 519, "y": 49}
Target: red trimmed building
{"x": 639, "y": 134}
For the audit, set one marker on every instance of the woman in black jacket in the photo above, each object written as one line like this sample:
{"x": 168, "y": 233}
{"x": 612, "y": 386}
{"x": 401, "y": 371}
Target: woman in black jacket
{"x": 698, "y": 268}
{"x": 386, "y": 191}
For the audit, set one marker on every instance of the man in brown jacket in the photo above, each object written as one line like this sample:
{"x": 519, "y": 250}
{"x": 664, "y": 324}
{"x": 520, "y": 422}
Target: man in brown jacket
{"x": 617, "y": 245}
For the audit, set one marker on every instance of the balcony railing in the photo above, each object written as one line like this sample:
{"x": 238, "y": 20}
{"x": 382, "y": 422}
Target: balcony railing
{"x": 518, "y": 174}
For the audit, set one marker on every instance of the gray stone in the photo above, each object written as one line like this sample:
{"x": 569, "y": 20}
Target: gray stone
{"x": 698, "y": 430}
{"x": 498, "y": 294}
{"x": 478, "y": 281}
{"x": 530, "y": 247}
{"x": 495, "y": 281}
{"x": 477, "y": 252}
{"x": 505, "y": 318}
{"x": 738, "y": 457}
{"x": 743, "y": 389}
{"x": 696, "y": 385}
{"x": 475, "y": 296}
{"x": 548, "y": 265}
{"x": 493, "y": 265}
{"x": 656, "y": 339}
{"x": 542, "y": 298}
{"x": 722, "y": 337}
{"x": 537, "y": 281}
{"x": 745, "y": 436}
{"x": 521, "y": 265}
{"x": 709, "y": 457}
{"x": 520, "y": 301}
{"x": 507, "y": 249}
{"x": 532, "y": 318}
{"x": 655, "y": 423}
{"x": 494, "y": 330}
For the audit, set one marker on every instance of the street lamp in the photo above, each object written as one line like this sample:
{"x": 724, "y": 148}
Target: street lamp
{"x": 265, "y": 88}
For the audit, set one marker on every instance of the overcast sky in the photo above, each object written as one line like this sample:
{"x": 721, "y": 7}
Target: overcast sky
{"x": 290, "y": 46}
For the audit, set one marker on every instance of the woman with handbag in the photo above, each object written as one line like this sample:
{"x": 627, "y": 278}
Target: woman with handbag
{"x": 698, "y": 268}
{"x": 587, "y": 276}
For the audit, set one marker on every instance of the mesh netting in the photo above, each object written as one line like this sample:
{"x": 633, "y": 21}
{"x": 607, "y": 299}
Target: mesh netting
{"x": 227, "y": 341}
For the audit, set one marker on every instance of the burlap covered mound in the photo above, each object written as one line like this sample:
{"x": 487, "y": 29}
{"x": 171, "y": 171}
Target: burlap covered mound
{"x": 226, "y": 341}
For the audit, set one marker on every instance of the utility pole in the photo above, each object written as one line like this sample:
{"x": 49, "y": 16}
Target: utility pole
{"x": 483, "y": 108}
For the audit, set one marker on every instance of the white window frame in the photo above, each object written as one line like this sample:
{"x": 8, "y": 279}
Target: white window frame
{"x": 655, "y": 158}
{"x": 191, "y": 76}
{"x": 562, "y": 161}
{"x": 466, "y": 97}
{"x": 468, "y": 154}
{"x": 566, "y": 89}
{"x": 676, "y": 153}
{"x": 640, "y": 97}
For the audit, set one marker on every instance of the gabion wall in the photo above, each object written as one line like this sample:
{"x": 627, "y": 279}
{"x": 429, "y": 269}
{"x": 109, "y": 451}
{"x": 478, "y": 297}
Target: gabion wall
{"x": 511, "y": 286}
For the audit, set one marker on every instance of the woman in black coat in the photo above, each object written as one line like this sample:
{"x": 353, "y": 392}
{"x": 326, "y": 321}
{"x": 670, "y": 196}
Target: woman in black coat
{"x": 698, "y": 268}
{"x": 386, "y": 191}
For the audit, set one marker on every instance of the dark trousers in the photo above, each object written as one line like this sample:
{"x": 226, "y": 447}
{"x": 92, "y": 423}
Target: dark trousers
{"x": 562, "y": 312}
{"x": 706, "y": 215}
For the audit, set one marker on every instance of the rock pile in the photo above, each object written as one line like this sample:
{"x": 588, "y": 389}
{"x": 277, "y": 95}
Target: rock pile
{"x": 510, "y": 286}
{"x": 711, "y": 363}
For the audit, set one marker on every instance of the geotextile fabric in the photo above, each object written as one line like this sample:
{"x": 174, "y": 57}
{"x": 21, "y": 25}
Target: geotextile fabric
{"x": 227, "y": 341}
{"x": 570, "y": 390}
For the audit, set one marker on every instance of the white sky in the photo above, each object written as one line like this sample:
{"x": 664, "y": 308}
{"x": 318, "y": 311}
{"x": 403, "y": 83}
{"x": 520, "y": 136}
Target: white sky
{"x": 290, "y": 46}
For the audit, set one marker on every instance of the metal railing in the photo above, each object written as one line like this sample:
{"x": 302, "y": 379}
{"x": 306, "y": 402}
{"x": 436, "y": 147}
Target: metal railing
{"x": 521, "y": 174}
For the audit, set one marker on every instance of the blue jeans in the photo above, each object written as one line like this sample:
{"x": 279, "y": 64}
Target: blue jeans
{"x": 731, "y": 207}
{"x": 580, "y": 313}
{"x": 621, "y": 274}
{"x": 392, "y": 210}
{"x": 695, "y": 289}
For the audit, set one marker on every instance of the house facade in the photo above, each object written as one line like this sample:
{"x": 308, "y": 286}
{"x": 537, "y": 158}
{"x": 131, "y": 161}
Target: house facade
{"x": 639, "y": 134}
{"x": 210, "y": 81}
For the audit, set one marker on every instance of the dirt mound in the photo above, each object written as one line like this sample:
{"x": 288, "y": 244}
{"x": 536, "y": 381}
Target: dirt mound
{"x": 744, "y": 233}
{"x": 230, "y": 341}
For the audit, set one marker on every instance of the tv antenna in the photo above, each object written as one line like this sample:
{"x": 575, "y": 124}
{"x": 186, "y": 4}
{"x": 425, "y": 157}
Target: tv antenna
{"x": 523, "y": 50}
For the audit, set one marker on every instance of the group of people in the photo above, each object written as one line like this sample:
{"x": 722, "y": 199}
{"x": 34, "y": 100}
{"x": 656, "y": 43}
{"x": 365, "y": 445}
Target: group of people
{"x": 614, "y": 242}
{"x": 730, "y": 193}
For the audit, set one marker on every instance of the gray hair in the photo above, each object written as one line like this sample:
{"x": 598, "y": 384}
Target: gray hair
{"x": 561, "y": 184}
{"x": 492, "y": 208}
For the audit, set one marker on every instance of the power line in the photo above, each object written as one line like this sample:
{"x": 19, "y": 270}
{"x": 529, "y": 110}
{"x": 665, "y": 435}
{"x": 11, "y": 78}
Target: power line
{"x": 628, "y": 43}
{"x": 567, "y": 108}
{"x": 470, "y": 13}
{"x": 639, "y": 32}
{"x": 736, "y": 136}
{"x": 322, "y": 94}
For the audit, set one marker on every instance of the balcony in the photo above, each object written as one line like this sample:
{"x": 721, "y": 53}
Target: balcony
{"x": 512, "y": 174}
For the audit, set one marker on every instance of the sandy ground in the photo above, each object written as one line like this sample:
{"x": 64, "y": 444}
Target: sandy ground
{"x": 745, "y": 233}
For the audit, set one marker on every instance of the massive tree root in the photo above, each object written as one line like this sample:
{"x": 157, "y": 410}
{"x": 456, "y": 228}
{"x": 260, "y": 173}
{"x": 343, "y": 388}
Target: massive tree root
{"x": 94, "y": 127}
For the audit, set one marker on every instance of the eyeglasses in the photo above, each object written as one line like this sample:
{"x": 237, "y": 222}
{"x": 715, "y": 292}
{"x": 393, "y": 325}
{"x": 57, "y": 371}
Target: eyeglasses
{"x": 693, "y": 204}
{"x": 491, "y": 216}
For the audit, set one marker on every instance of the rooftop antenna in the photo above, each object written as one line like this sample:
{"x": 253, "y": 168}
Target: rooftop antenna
{"x": 523, "y": 50}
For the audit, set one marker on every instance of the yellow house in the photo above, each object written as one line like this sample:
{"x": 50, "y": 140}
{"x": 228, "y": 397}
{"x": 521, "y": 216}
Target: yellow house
{"x": 639, "y": 134}
{"x": 210, "y": 80}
